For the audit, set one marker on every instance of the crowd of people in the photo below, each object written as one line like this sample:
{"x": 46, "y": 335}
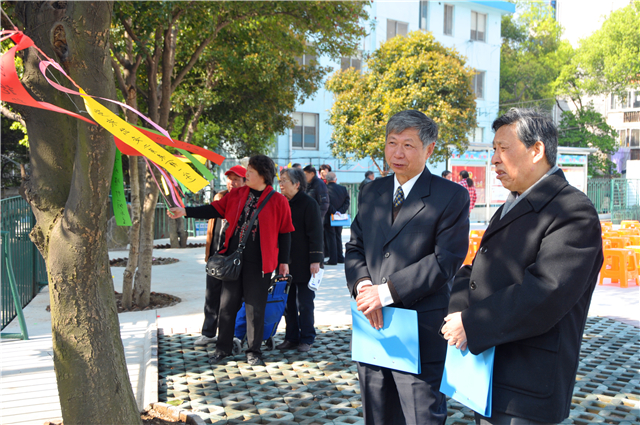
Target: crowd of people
{"x": 527, "y": 292}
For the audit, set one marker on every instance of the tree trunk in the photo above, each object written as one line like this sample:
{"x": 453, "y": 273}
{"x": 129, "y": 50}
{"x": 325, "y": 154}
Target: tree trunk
{"x": 68, "y": 190}
{"x": 134, "y": 234}
{"x": 142, "y": 286}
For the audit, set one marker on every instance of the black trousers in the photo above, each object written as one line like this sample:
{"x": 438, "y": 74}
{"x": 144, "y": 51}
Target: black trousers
{"x": 298, "y": 314}
{"x": 253, "y": 287}
{"x": 393, "y": 397}
{"x": 337, "y": 231}
{"x": 499, "y": 418}
{"x": 333, "y": 243}
{"x": 211, "y": 307}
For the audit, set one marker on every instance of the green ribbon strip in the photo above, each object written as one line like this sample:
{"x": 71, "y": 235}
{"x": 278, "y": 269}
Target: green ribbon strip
{"x": 199, "y": 165}
{"x": 118, "y": 200}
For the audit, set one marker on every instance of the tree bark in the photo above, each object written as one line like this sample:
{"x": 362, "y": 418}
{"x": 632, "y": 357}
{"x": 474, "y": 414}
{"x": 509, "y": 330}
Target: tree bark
{"x": 71, "y": 163}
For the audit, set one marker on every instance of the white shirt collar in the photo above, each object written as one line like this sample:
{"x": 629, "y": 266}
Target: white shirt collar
{"x": 406, "y": 188}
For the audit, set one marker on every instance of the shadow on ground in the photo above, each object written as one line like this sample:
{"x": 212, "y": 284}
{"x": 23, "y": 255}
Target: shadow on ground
{"x": 321, "y": 386}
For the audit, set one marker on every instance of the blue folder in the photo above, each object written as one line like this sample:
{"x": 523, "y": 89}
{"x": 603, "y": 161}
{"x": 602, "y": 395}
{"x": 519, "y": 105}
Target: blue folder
{"x": 468, "y": 378}
{"x": 395, "y": 346}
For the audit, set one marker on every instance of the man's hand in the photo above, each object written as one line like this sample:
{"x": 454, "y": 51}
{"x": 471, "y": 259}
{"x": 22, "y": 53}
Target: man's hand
{"x": 284, "y": 269}
{"x": 176, "y": 212}
{"x": 368, "y": 302}
{"x": 315, "y": 268}
{"x": 453, "y": 331}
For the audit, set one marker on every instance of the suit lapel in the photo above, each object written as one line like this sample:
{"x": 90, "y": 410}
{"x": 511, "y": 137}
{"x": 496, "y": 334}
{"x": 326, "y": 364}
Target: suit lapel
{"x": 382, "y": 214}
{"x": 411, "y": 206}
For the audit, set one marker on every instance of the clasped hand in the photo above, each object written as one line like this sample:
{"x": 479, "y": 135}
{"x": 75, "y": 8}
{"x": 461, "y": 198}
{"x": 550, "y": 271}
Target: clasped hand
{"x": 368, "y": 302}
{"x": 453, "y": 331}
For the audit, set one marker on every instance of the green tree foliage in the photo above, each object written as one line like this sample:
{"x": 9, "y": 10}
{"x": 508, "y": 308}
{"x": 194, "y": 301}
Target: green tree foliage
{"x": 412, "y": 72}
{"x": 232, "y": 64}
{"x": 531, "y": 57}
{"x": 587, "y": 128}
{"x": 609, "y": 59}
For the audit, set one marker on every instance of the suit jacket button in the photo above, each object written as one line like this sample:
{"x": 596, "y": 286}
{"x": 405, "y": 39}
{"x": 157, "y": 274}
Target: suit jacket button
{"x": 473, "y": 285}
{"x": 483, "y": 250}
{"x": 384, "y": 280}
{"x": 386, "y": 255}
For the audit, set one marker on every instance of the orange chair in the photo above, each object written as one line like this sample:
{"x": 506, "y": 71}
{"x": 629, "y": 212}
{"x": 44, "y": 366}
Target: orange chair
{"x": 619, "y": 242}
{"x": 629, "y": 231}
{"x": 630, "y": 224}
{"x": 620, "y": 266}
{"x": 634, "y": 239}
{"x": 606, "y": 243}
{"x": 610, "y": 234}
{"x": 474, "y": 244}
{"x": 635, "y": 248}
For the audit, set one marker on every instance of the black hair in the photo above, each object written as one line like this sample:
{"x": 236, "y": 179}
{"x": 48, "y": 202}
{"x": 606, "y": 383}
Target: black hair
{"x": 264, "y": 166}
{"x": 309, "y": 169}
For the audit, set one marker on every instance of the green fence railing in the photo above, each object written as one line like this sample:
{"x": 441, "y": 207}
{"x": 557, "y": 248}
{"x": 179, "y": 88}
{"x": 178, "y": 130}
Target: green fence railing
{"x": 617, "y": 198}
{"x": 27, "y": 263}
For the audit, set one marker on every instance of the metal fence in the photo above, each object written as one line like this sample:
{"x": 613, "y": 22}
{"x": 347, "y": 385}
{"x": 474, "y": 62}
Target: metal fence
{"x": 617, "y": 199}
{"x": 27, "y": 263}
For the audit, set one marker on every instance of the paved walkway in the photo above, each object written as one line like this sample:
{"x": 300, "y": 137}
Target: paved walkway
{"x": 28, "y": 393}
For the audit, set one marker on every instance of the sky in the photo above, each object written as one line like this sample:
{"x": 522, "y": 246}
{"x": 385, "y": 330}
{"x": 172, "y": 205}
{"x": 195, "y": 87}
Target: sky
{"x": 580, "y": 18}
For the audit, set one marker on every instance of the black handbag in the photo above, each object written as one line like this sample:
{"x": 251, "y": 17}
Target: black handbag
{"x": 228, "y": 267}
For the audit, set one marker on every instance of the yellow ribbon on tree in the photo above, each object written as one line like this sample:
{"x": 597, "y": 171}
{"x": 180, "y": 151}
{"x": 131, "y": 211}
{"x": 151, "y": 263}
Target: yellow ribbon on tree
{"x": 147, "y": 147}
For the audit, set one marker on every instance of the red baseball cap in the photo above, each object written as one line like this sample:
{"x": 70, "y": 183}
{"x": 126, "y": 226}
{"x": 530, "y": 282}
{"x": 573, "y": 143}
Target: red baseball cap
{"x": 238, "y": 170}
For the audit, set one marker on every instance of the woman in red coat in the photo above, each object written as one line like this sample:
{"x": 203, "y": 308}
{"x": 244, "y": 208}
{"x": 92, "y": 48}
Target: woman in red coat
{"x": 267, "y": 248}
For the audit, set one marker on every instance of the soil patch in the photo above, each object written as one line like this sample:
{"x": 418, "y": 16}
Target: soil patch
{"x": 156, "y": 300}
{"x": 189, "y": 245}
{"x": 155, "y": 261}
{"x": 150, "y": 417}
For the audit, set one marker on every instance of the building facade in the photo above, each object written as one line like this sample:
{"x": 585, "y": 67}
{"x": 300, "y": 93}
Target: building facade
{"x": 471, "y": 27}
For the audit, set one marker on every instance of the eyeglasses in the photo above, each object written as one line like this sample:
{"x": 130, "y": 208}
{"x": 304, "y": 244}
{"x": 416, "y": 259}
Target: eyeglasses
{"x": 284, "y": 181}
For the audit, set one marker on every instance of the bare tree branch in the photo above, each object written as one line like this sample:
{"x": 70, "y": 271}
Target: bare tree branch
{"x": 13, "y": 115}
{"x": 119, "y": 77}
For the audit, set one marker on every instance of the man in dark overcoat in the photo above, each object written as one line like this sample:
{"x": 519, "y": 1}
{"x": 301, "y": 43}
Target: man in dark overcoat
{"x": 528, "y": 290}
{"x": 339, "y": 201}
{"x": 408, "y": 240}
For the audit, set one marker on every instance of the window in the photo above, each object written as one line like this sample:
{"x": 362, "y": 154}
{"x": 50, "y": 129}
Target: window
{"x": 477, "y": 135}
{"x": 634, "y": 138}
{"x": 305, "y": 131}
{"x": 307, "y": 60}
{"x": 622, "y": 134}
{"x": 478, "y": 84}
{"x": 351, "y": 62}
{"x": 478, "y": 26}
{"x": 424, "y": 5}
{"x": 396, "y": 28}
{"x": 448, "y": 19}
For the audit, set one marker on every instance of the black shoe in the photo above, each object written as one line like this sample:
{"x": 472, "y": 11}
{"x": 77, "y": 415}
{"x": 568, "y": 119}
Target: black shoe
{"x": 331, "y": 263}
{"x": 341, "y": 261}
{"x": 303, "y": 348}
{"x": 287, "y": 345}
{"x": 254, "y": 360}
{"x": 217, "y": 358}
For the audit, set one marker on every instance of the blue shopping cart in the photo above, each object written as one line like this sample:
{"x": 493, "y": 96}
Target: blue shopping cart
{"x": 276, "y": 303}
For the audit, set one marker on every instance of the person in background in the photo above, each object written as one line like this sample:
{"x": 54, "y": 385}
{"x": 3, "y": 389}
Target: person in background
{"x": 324, "y": 169}
{"x": 368, "y": 178}
{"x": 317, "y": 189}
{"x": 467, "y": 183}
{"x": 339, "y": 201}
{"x": 215, "y": 242}
{"x": 266, "y": 250}
{"x": 408, "y": 240}
{"x": 306, "y": 257}
{"x": 446, "y": 174}
{"x": 528, "y": 290}
{"x": 296, "y": 165}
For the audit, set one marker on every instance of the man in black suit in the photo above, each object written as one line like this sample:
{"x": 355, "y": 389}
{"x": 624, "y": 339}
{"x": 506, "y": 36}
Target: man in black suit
{"x": 317, "y": 189}
{"x": 339, "y": 201}
{"x": 410, "y": 237}
{"x": 528, "y": 290}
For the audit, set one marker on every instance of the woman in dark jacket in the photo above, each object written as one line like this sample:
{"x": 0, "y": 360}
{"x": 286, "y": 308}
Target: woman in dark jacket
{"x": 306, "y": 257}
{"x": 267, "y": 246}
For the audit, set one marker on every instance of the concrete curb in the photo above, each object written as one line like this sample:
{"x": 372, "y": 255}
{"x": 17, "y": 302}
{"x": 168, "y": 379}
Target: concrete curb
{"x": 150, "y": 367}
